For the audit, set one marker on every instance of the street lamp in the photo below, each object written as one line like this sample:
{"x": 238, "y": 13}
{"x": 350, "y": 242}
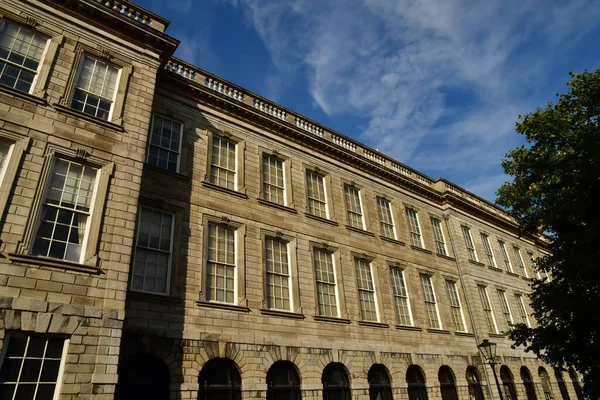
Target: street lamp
{"x": 488, "y": 349}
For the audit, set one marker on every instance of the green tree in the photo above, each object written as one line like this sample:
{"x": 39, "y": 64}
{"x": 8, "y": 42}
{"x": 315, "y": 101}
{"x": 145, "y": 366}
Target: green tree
{"x": 556, "y": 190}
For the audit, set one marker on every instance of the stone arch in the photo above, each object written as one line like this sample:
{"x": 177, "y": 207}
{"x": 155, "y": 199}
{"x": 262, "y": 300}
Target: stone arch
{"x": 219, "y": 376}
{"x": 283, "y": 381}
{"x": 380, "y": 382}
{"x": 336, "y": 381}
{"x": 416, "y": 382}
{"x": 447, "y": 382}
{"x": 528, "y": 383}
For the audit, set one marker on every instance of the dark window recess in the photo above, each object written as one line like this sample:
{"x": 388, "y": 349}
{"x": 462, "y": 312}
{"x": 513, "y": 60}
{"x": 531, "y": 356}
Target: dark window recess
{"x": 143, "y": 377}
{"x": 220, "y": 380}
{"x": 416, "y": 383}
{"x": 283, "y": 382}
{"x": 336, "y": 384}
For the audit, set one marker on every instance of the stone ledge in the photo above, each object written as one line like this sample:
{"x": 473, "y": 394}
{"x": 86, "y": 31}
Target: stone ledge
{"x": 495, "y": 269}
{"x": 89, "y": 118}
{"x": 152, "y": 298}
{"x": 445, "y": 257}
{"x": 336, "y": 320}
{"x": 440, "y": 331}
{"x": 209, "y": 185}
{"x": 176, "y": 175}
{"x": 387, "y": 239}
{"x": 512, "y": 274}
{"x": 276, "y": 205}
{"x": 54, "y": 263}
{"x": 480, "y": 264}
{"x": 408, "y": 328}
{"x": 223, "y": 306}
{"x": 321, "y": 219}
{"x": 284, "y": 314}
{"x": 421, "y": 249}
{"x": 373, "y": 324}
{"x": 358, "y": 230}
{"x": 23, "y": 96}
{"x": 466, "y": 334}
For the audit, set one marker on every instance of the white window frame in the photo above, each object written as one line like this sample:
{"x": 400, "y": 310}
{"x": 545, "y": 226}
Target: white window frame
{"x": 7, "y": 158}
{"x": 219, "y": 167}
{"x": 505, "y": 308}
{"x": 438, "y": 236}
{"x": 284, "y": 178}
{"x": 414, "y": 227}
{"x": 154, "y": 115}
{"x": 521, "y": 308}
{"x": 428, "y": 278}
{"x": 520, "y": 262}
{"x": 373, "y": 292}
{"x": 470, "y": 244}
{"x": 352, "y": 190}
{"x": 485, "y": 302}
{"x": 289, "y": 275}
{"x": 381, "y": 210}
{"x": 235, "y": 266}
{"x": 453, "y": 295}
{"x": 61, "y": 368}
{"x": 505, "y": 257}
{"x": 325, "y": 202}
{"x": 487, "y": 247}
{"x": 399, "y": 295}
{"x": 170, "y": 251}
{"x": 532, "y": 259}
{"x": 334, "y": 283}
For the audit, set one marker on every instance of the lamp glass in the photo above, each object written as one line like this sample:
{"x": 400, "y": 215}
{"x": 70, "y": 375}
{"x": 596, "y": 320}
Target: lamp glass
{"x": 489, "y": 349}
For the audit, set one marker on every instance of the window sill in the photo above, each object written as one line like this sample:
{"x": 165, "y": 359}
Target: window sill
{"x": 176, "y": 175}
{"x": 222, "y": 306}
{"x": 321, "y": 219}
{"x": 512, "y": 274}
{"x": 373, "y": 324}
{"x": 496, "y": 335}
{"x": 445, "y": 257}
{"x": 387, "y": 239}
{"x": 23, "y": 96}
{"x": 276, "y": 205}
{"x": 480, "y": 264}
{"x": 526, "y": 279}
{"x": 465, "y": 334}
{"x": 440, "y": 331}
{"x": 421, "y": 249}
{"x": 224, "y": 190}
{"x": 55, "y": 263}
{"x": 90, "y": 118}
{"x": 358, "y": 230}
{"x": 153, "y": 297}
{"x": 408, "y": 328}
{"x": 331, "y": 319}
{"x": 284, "y": 314}
{"x": 495, "y": 269}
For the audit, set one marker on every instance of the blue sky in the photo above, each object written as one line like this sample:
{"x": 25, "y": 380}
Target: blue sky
{"x": 436, "y": 84}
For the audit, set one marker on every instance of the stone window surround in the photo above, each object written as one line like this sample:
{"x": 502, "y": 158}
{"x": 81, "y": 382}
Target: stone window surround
{"x": 240, "y": 259}
{"x": 38, "y": 89}
{"x": 393, "y": 212}
{"x": 240, "y": 150}
{"x": 287, "y": 175}
{"x": 467, "y": 229}
{"x": 443, "y": 229}
{"x": 106, "y": 170}
{"x": 19, "y": 144}
{"x": 402, "y": 268}
{"x": 417, "y": 210}
{"x": 455, "y": 281}
{"x": 483, "y": 285}
{"x": 292, "y": 247}
{"x": 336, "y": 258}
{"x": 370, "y": 258}
{"x": 362, "y": 199}
{"x": 126, "y": 70}
{"x": 327, "y": 185}
{"x": 423, "y": 273}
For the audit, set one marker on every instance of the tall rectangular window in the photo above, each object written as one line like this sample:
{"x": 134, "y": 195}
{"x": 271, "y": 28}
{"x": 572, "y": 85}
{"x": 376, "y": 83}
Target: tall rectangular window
{"x": 5, "y": 150}
{"x": 386, "y": 221}
{"x": 414, "y": 228}
{"x": 530, "y": 255}
{"x": 438, "y": 235}
{"x": 165, "y": 143}
{"x": 21, "y": 52}
{"x": 222, "y": 164}
{"x": 457, "y": 313}
{"x": 221, "y": 264}
{"x": 95, "y": 87}
{"x": 31, "y": 366}
{"x": 278, "y": 274}
{"x": 485, "y": 239}
{"x": 366, "y": 290}
{"x": 273, "y": 183}
{"x": 326, "y": 283}
{"x": 315, "y": 188}
{"x": 153, "y": 249}
{"x": 401, "y": 297}
{"x": 507, "y": 263}
{"x": 433, "y": 319}
{"x": 520, "y": 262}
{"x": 353, "y": 206}
{"x": 66, "y": 211}
{"x": 522, "y": 310}
{"x": 505, "y": 308}
{"x": 469, "y": 242}
{"x": 487, "y": 309}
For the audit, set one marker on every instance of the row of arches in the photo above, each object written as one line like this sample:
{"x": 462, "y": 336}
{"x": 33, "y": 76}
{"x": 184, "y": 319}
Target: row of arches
{"x": 147, "y": 377}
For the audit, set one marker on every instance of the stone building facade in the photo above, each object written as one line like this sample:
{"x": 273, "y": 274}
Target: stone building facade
{"x": 168, "y": 234}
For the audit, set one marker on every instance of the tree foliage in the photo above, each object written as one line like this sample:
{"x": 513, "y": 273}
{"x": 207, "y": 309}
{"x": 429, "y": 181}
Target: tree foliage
{"x": 556, "y": 190}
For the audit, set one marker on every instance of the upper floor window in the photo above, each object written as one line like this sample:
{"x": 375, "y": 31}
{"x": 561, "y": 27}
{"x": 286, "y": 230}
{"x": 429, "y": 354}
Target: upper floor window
{"x": 221, "y": 264}
{"x": 153, "y": 249}
{"x": 457, "y": 314}
{"x": 505, "y": 308}
{"x": 487, "y": 309}
{"x": 278, "y": 274}
{"x": 433, "y": 318}
{"x": 165, "y": 143}
{"x": 95, "y": 87}
{"x": 485, "y": 239}
{"x": 273, "y": 187}
{"x": 520, "y": 262}
{"x": 366, "y": 290}
{"x": 21, "y": 52}
{"x": 5, "y": 150}
{"x": 223, "y": 163}
{"x": 507, "y": 263}
{"x": 317, "y": 199}
{"x": 67, "y": 207}
{"x": 353, "y": 206}
{"x": 327, "y": 304}
{"x": 469, "y": 242}
{"x": 531, "y": 257}
{"x": 414, "y": 228}
{"x": 438, "y": 235}
{"x": 384, "y": 208}
{"x": 401, "y": 297}
{"x": 521, "y": 309}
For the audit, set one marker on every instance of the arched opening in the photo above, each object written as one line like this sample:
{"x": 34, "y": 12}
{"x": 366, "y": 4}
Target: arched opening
{"x": 283, "y": 382}
{"x": 416, "y": 383}
{"x": 380, "y": 387}
{"x": 576, "y": 384}
{"x": 475, "y": 391}
{"x": 336, "y": 383}
{"x": 447, "y": 385}
{"x": 220, "y": 380}
{"x": 528, "y": 383}
{"x": 545, "y": 378}
{"x": 508, "y": 383}
{"x": 143, "y": 377}
{"x": 561, "y": 384}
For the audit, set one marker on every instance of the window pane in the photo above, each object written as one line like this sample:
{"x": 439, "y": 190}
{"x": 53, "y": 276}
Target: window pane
{"x": 278, "y": 276}
{"x": 273, "y": 185}
{"x": 457, "y": 315}
{"x": 353, "y": 207}
{"x": 221, "y": 264}
{"x": 430, "y": 302}
{"x": 487, "y": 309}
{"x": 326, "y": 283}
{"x": 400, "y": 296}
{"x": 165, "y": 138}
{"x": 469, "y": 242}
{"x": 385, "y": 218}
{"x": 414, "y": 228}
{"x": 95, "y": 87}
{"x": 222, "y": 170}
{"x": 366, "y": 290}
{"x": 438, "y": 235}
{"x": 315, "y": 188}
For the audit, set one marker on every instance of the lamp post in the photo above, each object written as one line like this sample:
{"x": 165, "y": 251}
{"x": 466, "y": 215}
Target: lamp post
{"x": 489, "y": 352}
